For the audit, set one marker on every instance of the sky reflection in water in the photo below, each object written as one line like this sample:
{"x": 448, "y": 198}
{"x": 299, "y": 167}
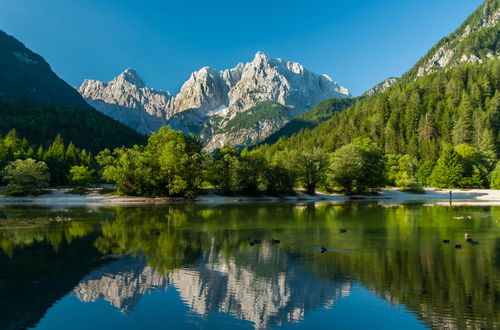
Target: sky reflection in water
{"x": 191, "y": 266}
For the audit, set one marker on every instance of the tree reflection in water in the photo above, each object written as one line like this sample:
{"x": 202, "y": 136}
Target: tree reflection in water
{"x": 204, "y": 252}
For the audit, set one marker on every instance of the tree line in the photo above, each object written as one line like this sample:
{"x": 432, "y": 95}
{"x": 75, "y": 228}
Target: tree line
{"x": 173, "y": 164}
{"x": 441, "y": 130}
{"x": 26, "y": 168}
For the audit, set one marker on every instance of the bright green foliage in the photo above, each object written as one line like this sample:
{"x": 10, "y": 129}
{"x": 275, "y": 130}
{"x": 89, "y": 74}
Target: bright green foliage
{"x": 26, "y": 175}
{"x": 417, "y": 117}
{"x": 55, "y": 159}
{"x": 236, "y": 173}
{"x": 477, "y": 166}
{"x": 449, "y": 170}
{"x": 495, "y": 177}
{"x": 170, "y": 165}
{"x": 358, "y": 166}
{"x": 58, "y": 158}
{"x": 402, "y": 171}
{"x": 12, "y": 147}
{"x": 81, "y": 175}
{"x": 424, "y": 173}
{"x": 311, "y": 169}
{"x": 250, "y": 173}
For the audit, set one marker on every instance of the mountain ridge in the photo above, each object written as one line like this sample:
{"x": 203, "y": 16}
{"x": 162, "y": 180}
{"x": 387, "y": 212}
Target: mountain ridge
{"x": 26, "y": 76}
{"x": 212, "y": 97}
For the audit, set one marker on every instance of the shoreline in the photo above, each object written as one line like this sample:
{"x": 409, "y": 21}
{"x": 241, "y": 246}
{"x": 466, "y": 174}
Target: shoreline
{"x": 61, "y": 197}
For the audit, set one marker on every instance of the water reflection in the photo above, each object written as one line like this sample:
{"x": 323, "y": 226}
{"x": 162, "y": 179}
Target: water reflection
{"x": 219, "y": 284}
{"x": 120, "y": 254}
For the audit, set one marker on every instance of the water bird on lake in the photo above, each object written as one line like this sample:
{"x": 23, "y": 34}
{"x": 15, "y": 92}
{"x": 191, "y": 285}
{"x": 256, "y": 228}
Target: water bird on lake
{"x": 475, "y": 243}
{"x": 458, "y": 218}
{"x": 275, "y": 241}
{"x": 255, "y": 241}
{"x": 343, "y": 230}
{"x": 458, "y": 246}
{"x": 467, "y": 236}
{"x": 446, "y": 241}
{"x": 323, "y": 249}
{"x": 470, "y": 240}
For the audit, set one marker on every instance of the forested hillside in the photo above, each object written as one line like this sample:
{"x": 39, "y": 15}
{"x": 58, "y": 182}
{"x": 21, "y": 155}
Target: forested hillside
{"x": 311, "y": 118}
{"x": 476, "y": 40}
{"x": 460, "y": 105}
{"x": 26, "y": 76}
{"x": 86, "y": 128}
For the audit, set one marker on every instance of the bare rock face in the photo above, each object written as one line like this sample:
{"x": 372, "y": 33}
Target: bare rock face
{"x": 449, "y": 52}
{"x": 127, "y": 99}
{"x": 288, "y": 83}
{"x": 205, "y": 90}
{"x": 382, "y": 86}
{"x": 209, "y": 94}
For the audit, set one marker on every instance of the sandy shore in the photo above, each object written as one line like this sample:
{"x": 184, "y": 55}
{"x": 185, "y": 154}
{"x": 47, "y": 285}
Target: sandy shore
{"x": 61, "y": 197}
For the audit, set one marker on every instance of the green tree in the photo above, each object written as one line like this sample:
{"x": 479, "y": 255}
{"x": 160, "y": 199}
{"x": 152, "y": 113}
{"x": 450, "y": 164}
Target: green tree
{"x": 358, "y": 166}
{"x": 26, "y": 175}
{"x": 311, "y": 169}
{"x": 477, "y": 166}
{"x": 224, "y": 170}
{"x": 449, "y": 170}
{"x": 425, "y": 172}
{"x": 170, "y": 165}
{"x": 495, "y": 177}
{"x": 81, "y": 175}
{"x": 55, "y": 159}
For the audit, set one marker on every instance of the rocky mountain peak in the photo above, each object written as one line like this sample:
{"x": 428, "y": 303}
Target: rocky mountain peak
{"x": 209, "y": 92}
{"x": 131, "y": 76}
{"x": 261, "y": 56}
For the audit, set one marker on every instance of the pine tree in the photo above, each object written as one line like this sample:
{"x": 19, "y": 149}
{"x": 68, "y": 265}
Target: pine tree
{"x": 448, "y": 171}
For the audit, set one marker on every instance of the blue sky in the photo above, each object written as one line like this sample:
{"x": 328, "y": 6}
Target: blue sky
{"x": 356, "y": 42}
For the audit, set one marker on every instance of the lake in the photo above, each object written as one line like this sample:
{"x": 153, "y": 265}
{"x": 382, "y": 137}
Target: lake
{"x": 191, "y": 266}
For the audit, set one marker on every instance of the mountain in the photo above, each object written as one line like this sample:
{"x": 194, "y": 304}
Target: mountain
{"x": 127, "y": 99}
{"x": 209, "y": 100}
{"x": 473, "y": 42}
{"x": 455, "y": 106}
{"x": 26, "y": 76}
{"x": 86, "y": 128}
{"x": 39, "y": 104}
{"x": 381, "y": 86}
{"x": 215, "y": 284}
{"x": 311, "y": 118}
{"x": 250, "y": 126}
{"x": 453, "y": 101}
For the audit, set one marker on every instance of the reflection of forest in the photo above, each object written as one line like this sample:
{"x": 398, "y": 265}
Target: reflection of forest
{"x": 204, "y": 252}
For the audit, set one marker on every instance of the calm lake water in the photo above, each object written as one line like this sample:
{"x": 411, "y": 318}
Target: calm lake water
{"x": 192, "y": 266}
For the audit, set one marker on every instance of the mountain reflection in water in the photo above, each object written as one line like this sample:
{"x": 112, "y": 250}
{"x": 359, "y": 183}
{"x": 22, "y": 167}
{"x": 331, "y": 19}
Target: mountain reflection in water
{"x": 219, "y": 284}
{"x": 124, "y": 255}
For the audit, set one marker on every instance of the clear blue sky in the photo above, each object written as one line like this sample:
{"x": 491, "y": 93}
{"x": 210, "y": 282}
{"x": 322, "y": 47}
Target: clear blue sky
{"x": 357, "y": 42}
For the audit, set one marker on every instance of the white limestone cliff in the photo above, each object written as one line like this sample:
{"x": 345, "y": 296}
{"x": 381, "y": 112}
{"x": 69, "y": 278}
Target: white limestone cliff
{"x": 209, "y": 92}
